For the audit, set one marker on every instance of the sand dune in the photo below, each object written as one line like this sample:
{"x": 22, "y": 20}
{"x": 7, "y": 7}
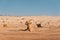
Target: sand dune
{"x": 29, "y": 27}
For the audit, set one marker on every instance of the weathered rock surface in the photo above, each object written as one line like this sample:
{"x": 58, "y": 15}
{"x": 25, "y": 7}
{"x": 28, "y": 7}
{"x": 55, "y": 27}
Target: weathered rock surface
{"x": 35, "y": 23}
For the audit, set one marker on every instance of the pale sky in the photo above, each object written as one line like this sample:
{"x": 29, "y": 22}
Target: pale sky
{"x": 30, "y": 7}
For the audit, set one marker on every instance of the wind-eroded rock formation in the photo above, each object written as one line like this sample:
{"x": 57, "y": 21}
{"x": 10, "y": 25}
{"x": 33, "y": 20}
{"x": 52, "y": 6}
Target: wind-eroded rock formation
{"x": 29, "y": 23}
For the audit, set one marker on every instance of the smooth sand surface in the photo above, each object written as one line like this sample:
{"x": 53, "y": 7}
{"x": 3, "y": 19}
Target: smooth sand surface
{"x": 29, "y": 36}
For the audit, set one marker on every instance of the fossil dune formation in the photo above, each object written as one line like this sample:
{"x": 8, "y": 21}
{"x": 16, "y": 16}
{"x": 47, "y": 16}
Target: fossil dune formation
{"x": 40, "y": 26}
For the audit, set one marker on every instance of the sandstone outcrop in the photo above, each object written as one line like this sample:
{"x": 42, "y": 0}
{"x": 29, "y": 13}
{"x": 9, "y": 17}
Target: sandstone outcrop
{"x": 30, "y": 23}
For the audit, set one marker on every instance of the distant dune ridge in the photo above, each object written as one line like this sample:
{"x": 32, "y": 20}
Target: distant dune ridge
{"x": 29, "y": 23}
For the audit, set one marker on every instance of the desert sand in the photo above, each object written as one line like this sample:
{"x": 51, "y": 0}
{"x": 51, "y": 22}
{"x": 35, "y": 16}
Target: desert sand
{"x": 29, "y": 27}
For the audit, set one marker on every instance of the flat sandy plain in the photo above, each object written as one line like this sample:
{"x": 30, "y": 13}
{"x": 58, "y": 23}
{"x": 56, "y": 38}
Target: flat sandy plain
{"x": 40, "y": 28}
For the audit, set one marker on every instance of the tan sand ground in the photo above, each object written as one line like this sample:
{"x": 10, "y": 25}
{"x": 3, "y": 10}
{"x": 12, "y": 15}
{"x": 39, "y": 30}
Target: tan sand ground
{"x": 29, "y": 27}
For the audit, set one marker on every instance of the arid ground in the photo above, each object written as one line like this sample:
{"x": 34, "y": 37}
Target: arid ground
{"x": 29, "y": 27}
